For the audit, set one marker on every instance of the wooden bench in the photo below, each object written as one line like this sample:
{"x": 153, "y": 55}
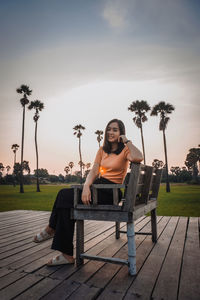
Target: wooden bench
{"x": 140, "y": 197}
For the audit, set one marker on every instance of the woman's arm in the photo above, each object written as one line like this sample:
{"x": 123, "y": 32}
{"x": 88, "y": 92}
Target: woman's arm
{"x": 86, "y": 194}
{"x": 135, "y": 155}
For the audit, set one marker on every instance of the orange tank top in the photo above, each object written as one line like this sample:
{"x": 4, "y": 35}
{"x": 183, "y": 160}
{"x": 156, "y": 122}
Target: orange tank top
{"x": 113, "y": 166}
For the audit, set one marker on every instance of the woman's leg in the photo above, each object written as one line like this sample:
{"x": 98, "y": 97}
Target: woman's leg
{"x": 60, "y": 221}
{"x": 61, "y": 225}
{"x": 64, "y": 232}
{"x": 50, "y": 228}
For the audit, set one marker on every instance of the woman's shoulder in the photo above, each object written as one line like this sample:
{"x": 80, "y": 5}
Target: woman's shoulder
{"x": 100, "y": 151}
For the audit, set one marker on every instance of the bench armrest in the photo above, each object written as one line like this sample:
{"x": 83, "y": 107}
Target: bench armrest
{"x": 100, "y": 186}
{"x": 94, "y": 188}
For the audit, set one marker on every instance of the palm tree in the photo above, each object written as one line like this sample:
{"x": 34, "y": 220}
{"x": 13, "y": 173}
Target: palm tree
{"x": 8, "y": 169}
{"x": 67, "y": 169}
{"x": 99, "y": 136}
{"x": 78, "y": 133}
{"x": 38, "y": 106}
{"x": 71, "y": 165}
{"x": 157, "y": 164}
{"x": 163, "y": 109}
{"x": 24, "y": 89}
{"x": 88, "y": 165}
{"x": 193, "y": 157}
{"x": 82, "y": 165}
{"x": 1, "y": 169}
{"x": 18, "y": 167}
{"x": 140, "y": 107}
{"x": 14, "y": 147}
{"x": 25, "y": 166}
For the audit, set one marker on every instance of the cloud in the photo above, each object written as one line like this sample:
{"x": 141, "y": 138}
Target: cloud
{"x": 115, "y": 12}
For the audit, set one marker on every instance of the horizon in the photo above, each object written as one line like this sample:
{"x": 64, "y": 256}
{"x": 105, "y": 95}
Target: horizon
{"x": 88, "y": 62}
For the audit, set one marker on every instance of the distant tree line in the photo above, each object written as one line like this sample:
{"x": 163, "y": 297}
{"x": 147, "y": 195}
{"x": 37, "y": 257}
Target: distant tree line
{"x": 41, "y": 174}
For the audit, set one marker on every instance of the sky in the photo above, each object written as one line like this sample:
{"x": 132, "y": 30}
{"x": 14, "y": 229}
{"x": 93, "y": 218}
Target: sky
{"x": 87, "y": 61}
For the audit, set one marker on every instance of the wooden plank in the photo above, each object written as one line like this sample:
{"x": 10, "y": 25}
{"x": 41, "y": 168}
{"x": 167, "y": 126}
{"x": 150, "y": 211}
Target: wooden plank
{"x": 154, "y": 225}
{"x": 147, "y": 183}
{"x": 62, "y": 291}
{"x": 109, "y": 186}
{"x": 117, "y": 261}
{"x": 20, "y": 237}
{"x": 99, "y": 207}
{"x": 79, "y": 241}
{"x": 189, "y": 287}
{"x": 26, "y": 253}
{"x": 9, "y": 237}
{"x": 20, "y": 222}
{"x": 5, "y": 271}
{"x": 10, "y": 278}
{"x": 132, "y": 187}
{"x": 19, "y": 286}
{"x": 39, "y": 290}
{"x": 167, "y": 283}
{"x": 16, "y": 263}
{"x": 115, "y": 197}
{"x": 143, "y": 285}
{"x": 143, "y": 209}
{"x": 85, "y": 292}
{"x": 94, "y": 196}
{"x": 156, "y": 183}
{"x": 119, "y": 216}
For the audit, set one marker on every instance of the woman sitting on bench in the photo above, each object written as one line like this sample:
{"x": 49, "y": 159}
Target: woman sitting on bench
{"x": 110, "y": 166}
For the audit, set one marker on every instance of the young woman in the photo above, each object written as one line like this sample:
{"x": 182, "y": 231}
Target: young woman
{"x": 110, "y": 166}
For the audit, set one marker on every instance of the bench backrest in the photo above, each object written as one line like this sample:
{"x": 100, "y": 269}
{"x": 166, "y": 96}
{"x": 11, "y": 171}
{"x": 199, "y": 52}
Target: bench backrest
{"x": 142, "y": 186}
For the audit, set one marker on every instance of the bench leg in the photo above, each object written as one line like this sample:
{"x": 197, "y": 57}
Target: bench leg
{"x": 131, "y": 248}
{"x": 154, "y": 225}
{"x": 117, "y": 228}
{"x": 79, "y": 241}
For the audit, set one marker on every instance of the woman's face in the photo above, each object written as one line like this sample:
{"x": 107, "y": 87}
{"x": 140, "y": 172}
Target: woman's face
{"x": 113, "y": 132}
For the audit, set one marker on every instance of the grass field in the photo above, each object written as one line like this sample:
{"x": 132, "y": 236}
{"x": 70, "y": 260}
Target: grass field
{"x": 184, "y": 200}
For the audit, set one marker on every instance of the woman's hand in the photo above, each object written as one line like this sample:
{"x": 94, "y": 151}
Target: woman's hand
{"x": 122, "y": 138}
{"x": 86, "y": 195}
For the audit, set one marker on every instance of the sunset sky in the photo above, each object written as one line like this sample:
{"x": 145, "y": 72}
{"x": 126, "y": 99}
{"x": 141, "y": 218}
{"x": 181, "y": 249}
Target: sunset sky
{"x": 87, "y": 60}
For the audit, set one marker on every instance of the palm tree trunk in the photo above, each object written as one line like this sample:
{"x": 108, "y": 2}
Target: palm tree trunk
{"x": 195, "y": 173}
{"x": 143, "y": 144}
{"x": 36, "y": 149}
{"x": 22, "y": 154}
{"x": 166, "y": 164}
{"x": 13, "y": 169}
{"x": 80, "y": 158}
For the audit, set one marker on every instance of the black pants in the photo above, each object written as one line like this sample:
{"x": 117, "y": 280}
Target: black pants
{"x": 60, "y": 219}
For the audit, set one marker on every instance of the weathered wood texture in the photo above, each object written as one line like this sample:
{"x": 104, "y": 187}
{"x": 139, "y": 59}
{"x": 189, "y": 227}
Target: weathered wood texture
{"x": 169, "y": 269}
{"x": 140, "y": 197}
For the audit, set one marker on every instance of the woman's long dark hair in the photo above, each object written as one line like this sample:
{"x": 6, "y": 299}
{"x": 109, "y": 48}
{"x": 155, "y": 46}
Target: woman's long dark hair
{"x": 107, "y": 144}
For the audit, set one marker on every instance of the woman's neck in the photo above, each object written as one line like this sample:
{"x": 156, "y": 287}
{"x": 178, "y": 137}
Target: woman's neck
{"x": 114, "y": 147}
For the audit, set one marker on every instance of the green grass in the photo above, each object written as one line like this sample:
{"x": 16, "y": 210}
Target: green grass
{"x": 11, "y": 199}
{"x": 184, "y": 200}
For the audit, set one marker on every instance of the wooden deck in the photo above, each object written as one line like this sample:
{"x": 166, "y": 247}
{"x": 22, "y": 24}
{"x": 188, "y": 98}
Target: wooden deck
{"x": 169, "y": 269}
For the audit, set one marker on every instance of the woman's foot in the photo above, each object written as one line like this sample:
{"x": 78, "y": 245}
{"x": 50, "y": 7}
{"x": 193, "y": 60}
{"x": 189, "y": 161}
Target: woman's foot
{"x": 44, "y": 235}
{"x": 62, "y": 259}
